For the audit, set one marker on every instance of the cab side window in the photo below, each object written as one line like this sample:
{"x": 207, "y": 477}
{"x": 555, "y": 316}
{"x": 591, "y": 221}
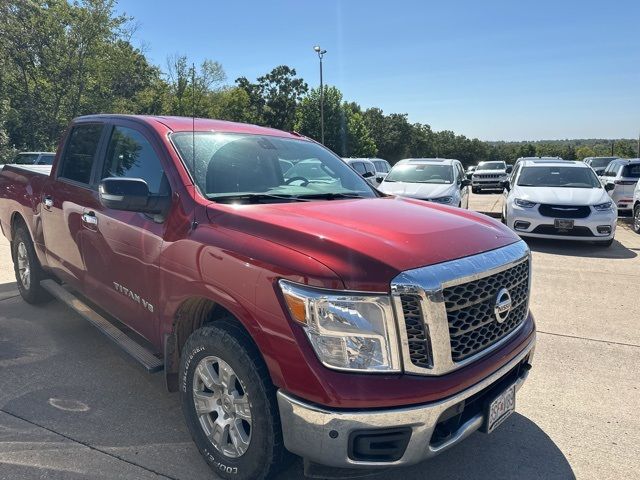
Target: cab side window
{"x": 79, "y": 153}
{"x": 130, "y": 155}
{"x": 359, "y": 167}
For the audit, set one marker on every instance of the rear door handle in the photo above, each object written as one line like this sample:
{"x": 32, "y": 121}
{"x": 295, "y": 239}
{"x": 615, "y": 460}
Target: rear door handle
{"x": 48, "y": 201}
{"x": 90, "y": 218}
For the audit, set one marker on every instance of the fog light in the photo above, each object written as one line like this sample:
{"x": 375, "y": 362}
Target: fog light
{"x": 520, "y": 225}
{"x": 603, "y": 229}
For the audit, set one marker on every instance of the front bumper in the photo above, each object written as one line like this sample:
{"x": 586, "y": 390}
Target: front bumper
{"x": 326, "y": 436}
{"x": 488, "y": 184}
{"x": 539, "y": 226}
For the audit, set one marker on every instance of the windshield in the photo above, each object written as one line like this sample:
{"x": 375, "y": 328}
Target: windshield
{"x": 600, "y": 162}
{"x": 569, "y": 177}
{"x": 243, "y": 167}
{"x": 492, "y": 166}
{"x": 26, "y": 159}
{"x": 421, "y": 173}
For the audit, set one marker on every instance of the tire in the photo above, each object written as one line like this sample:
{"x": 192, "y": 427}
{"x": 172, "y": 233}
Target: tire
{"x": 27, "y": 269}
{"x": 605, "y": 243}
{"x": 636, "y": 218}
{"x": 248, "y": 394}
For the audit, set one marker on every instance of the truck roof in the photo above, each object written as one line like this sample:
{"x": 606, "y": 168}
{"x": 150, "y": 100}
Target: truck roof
{"x": 187, "y": 124}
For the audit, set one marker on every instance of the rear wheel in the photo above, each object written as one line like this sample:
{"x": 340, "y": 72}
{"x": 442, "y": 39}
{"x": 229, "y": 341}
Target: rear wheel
{"x": 27, "y": 268}
{"x": 636, "y": 218}
{"x": 229, "y": 403}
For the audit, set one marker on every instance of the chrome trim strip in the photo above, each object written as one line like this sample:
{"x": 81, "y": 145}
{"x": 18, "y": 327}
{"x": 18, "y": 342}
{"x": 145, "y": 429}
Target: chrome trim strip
{"x": 306, "y": 426}
{"x": 428, "y": 284}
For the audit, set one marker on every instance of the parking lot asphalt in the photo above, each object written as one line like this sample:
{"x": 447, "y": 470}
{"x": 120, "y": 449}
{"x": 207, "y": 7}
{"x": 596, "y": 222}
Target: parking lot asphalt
{"x": 73, "y": 406}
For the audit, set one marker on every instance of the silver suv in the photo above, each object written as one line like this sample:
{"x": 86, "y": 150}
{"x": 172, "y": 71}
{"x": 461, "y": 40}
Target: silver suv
{"x": 489, "y": 176}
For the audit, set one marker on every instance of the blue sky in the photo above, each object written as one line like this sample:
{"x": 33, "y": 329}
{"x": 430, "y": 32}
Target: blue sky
{"x": 496, "y": 70}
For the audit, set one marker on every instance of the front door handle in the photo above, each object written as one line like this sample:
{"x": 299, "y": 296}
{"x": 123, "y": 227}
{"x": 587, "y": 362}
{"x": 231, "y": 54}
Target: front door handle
{"x": 90, "y": 218}
{"x": 48, "y": 201}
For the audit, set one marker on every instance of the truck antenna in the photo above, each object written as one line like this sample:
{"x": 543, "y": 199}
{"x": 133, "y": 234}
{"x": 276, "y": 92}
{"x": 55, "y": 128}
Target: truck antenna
{"x": 194, "y": 223}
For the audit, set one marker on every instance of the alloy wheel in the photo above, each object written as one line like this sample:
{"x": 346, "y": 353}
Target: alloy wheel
{"x": 24, "y": 269}
{"x": 222, "y": 406}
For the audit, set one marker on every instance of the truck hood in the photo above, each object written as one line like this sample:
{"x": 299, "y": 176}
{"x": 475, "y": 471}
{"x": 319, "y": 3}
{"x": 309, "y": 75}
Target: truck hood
{"x": 417, "y": 190}
{"x": 562, "y": 196}
{"x": 367, "y": 242}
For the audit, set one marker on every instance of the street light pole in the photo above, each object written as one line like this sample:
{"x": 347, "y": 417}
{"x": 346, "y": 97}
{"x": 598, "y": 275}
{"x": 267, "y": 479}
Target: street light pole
{"x": 321, "y": 53}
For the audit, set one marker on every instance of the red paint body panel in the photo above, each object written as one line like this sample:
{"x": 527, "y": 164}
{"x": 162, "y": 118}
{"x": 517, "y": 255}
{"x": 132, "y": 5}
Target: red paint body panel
{"x": 237, "y": 254}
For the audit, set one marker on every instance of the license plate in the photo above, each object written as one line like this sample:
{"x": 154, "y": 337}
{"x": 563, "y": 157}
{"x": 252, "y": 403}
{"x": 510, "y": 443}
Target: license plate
{"x": 500, "y": 408}
{"x": 562, "y": 224}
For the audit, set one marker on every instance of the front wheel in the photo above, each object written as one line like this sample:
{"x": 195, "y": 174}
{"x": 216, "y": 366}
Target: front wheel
{"x": 636, "y": 219}
{"x": 229, "y": 403}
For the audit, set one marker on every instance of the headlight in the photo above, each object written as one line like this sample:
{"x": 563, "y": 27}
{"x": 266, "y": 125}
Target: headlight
{"x": 348, "y": 331}
{"x": 442, "y": 199}
{"x": 524, "y": 203}
{"x": 601, "y": 207}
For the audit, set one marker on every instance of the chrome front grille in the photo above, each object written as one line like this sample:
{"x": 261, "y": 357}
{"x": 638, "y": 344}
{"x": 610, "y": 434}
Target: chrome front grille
{"x": 446, "y": 312}
{"x": 472, "y": 322}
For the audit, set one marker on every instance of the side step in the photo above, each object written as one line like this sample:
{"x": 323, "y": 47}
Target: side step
{"x": 148, "y": 360}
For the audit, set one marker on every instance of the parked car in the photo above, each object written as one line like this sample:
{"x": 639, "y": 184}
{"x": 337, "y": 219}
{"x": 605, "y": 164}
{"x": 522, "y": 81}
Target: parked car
{"x": 365, "y": 168}
{"x": 34, "y": 158}
{"x": 488, "y": 176}
{"x": 562, "y": 200}
{"x": 599, "y": 164}
{"x": 636, "y": 208}
{"x": 621, "y": 177}
{"x": 470, "y": 170}
{"x": 437, "y": 180}
{"x": 354, "y": 329}
{"x": 382, "y": 167}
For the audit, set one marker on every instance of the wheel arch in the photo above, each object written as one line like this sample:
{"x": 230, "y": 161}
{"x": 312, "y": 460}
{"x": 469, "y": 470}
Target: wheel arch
{"x": 192, "y": 314}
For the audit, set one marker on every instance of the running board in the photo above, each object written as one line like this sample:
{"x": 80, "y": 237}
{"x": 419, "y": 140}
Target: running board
{"x": 139, "y": 353}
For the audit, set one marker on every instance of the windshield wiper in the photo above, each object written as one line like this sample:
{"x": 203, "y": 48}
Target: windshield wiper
{"x": 252, "y": 198}
{"x": 327, "y": 196}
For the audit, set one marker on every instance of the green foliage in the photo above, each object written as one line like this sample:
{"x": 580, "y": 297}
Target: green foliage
{"x": 273, "y": 99}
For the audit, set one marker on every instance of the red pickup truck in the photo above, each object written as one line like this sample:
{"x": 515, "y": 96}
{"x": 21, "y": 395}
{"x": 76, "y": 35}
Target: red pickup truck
{"x": 294, "y": 307}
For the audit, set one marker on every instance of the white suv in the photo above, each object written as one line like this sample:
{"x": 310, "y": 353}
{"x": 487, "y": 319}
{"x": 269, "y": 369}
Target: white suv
{"x": 562, "y": 200}
{"x": 636, "y": 208}
{"x": 438, "y": 180}
{"x": 488, "y": 176}
{"x": 621, "y": 177}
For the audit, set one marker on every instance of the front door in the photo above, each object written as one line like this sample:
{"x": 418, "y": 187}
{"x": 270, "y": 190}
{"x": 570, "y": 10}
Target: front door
{"x": 122, "y": 257}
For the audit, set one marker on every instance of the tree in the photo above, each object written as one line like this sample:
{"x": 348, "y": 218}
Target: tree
{"x": 273, "y": 99}
{"x": 62, "y": 60}
{"x": 389, "y": 132}
{"x": 345, "y": 131}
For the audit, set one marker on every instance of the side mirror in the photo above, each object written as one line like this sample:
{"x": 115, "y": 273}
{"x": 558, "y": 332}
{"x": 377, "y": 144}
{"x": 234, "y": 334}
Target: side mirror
{"x": 131, "y": 195}
{"x": 609, "y": 186}
{"x": 368, "y": 174}
{"x": 379, "y": 178}
{"x": 509, "y": 168}
{"x": 466, "y": 182}
{"x": 506, "y": 184}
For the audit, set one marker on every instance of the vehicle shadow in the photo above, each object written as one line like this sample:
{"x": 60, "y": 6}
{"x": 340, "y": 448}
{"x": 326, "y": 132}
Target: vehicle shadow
{"x": 579, "y": 249}
{"x": 8, "y": 290}
{"x": 518, "y": 449}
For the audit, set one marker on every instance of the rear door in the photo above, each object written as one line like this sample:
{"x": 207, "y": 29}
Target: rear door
{"x": 66, "y": 198}
{"x": 122, "y": 254}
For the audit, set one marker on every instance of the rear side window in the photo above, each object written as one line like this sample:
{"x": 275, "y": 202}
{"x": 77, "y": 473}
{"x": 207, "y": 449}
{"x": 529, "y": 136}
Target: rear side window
{"x": 46, "y": 159}
{"x": 130, "y": 155}
{"x": 359, "y": 167}
{"x": 79, "y": 154}
{"x": 631, "y": 171}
